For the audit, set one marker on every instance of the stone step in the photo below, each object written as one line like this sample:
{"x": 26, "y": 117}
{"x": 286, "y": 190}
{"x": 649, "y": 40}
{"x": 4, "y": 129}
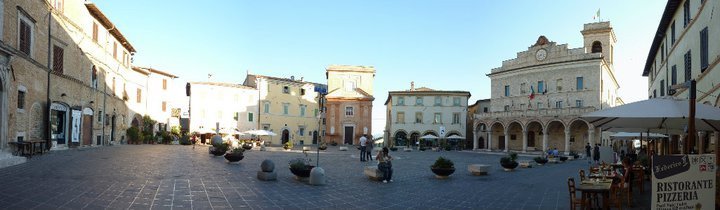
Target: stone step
{"x": 7, "y": 160}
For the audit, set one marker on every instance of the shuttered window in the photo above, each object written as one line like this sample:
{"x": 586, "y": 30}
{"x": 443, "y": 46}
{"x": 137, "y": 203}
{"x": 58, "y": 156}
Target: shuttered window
{"x": 58, "y": 59}
{"x": 25, "y": 37}
{"x": 95, "y": 32}
{"x": 704, "y": 63}
{"x": 688, "y": 66}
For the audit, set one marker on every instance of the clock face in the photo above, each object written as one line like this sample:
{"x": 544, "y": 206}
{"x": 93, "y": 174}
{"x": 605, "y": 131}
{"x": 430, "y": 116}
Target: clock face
{"x": 541, "y": 54}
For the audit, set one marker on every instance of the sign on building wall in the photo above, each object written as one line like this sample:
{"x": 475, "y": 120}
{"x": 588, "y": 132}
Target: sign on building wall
{"x": 683, "y": 182}
{"x": 76, "y": 115}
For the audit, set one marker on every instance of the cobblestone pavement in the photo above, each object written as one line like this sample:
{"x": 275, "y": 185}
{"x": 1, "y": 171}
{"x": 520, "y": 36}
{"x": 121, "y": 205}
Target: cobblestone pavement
{"x": 180, "y": 177}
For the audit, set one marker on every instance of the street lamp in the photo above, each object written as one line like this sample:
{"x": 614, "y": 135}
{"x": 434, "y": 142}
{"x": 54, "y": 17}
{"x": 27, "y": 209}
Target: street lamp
{"x": 322, "y": 92}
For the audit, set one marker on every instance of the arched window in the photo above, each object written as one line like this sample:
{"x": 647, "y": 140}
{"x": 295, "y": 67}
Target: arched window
{"x": 596, "y": 47}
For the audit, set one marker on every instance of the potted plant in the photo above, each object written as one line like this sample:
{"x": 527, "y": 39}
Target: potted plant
{"x": 540, "y": 160}
{"x": 247, "y": 145}
{"x": 422, "y": 148}
{"x": 509, "y": 163}
{"x": 563, "y": 158}
{"x": 575, "y": 155}
{"x": 301, "y": 167}
{"x": 235, "y": 155}
{"x": 219, "y": 149}
{"x": 322, "y": 146}
{"x": 288, "y": 145}
{"x": 443, "y": 167}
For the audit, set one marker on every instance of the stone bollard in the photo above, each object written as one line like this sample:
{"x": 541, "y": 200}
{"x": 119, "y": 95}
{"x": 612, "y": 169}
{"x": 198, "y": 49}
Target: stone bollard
{"x": 262, "y": 147}
{"x": 217, "y": 139}
{"x": 267, "y": 171}
{"x": 317, "y": 176}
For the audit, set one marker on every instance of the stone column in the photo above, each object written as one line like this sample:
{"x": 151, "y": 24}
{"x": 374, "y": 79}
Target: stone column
{"x": 681, "y": 143}
{"x": 701, "y": 142}
{"x": 489, "y": 140}
{"x": 475, "y": 137}
{"x": 591, "y": 136}
{"x": 567, "y": 141}
{"x": 545, "y": 140}
{"x": 525, "y": 140}
{"x": 507, "y": 137}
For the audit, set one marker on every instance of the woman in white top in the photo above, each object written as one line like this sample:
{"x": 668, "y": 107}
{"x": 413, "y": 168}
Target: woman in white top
{"x": 385, "y": 164}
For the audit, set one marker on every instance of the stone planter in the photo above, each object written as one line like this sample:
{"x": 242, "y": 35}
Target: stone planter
{"x": 510, "y": 166}
{"x": 247, "y": 146}
{"x": 302, "y": 172}
{"x": 442, "y": 173}
{"x": 541, "y": 161}
{"x": 234, "y": 157}
{"x": 217, "y": 152}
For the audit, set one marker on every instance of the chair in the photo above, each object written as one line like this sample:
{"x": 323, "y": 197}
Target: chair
{"x": 624, "y": 187}
{"x": 614, "y": 199}
{"x": 639, "y": 179}
{"x": 574, "y": 201}
{"x": 582, "y": 175}
{"x": 594, "y": 170}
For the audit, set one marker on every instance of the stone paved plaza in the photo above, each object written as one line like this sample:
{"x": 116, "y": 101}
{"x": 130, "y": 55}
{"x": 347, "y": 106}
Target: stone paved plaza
{"x": 180, "y": 177}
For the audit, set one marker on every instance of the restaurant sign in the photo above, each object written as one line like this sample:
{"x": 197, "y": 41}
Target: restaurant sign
{"x": 683, "y": 182}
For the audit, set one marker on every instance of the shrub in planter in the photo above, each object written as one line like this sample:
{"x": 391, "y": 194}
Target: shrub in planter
{"x": 322, "y": 146}
{"x": 288, "y": 145}
{"x": 563, "y": 158}
{"x": 301, "y": 167}
{"x": 185, "y": 140}
{"x": 219, "y": 149}
{"x": 247, "y": 146}
{"x": 443, "y": 167}
{"x": 235, "y": 155}
{"x": 509, "y": 162}
{"x": 540, "y": 160}
{"x": 133, "y": 134}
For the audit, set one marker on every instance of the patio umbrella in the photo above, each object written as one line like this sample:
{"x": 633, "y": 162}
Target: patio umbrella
{"x": 260, "y": 133}
{"x": 454, "y": 136}
{"x": 660, "y": 115}
{"x": 626, "y": 135}
{"x": 429, "y": 136}
{"x": 205, "y": 130}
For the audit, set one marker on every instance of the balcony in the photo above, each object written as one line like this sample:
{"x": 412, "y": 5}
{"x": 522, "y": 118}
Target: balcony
{"x": 571, "y": 111}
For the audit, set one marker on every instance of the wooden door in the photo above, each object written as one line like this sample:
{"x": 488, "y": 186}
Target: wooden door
{"x": 87, "y": 123}
{"x": 501, "y": 143}
{"x": 349, "y": 133}
{"x": 531, "y": 139}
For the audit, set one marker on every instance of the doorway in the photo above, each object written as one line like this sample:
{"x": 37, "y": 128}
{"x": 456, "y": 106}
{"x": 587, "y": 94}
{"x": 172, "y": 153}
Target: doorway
{"x": 315, "y": 137}
{"x": 87, "y": 123}
{"x": 501, "y": 143}
{"x": 285, "y": 136}
{"x": 112, "y": 129}
{"x": 349, "y": 133}
{"x": 481, "y": 143}
{"x": 531, "y": 139}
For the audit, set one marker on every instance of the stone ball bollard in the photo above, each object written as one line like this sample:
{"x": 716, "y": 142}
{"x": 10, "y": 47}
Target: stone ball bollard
{"x": 267, "y": 166}
{"x": 217, "y": 139}
{"x": 317, "y": 176}
{"x": 267, "y": 172}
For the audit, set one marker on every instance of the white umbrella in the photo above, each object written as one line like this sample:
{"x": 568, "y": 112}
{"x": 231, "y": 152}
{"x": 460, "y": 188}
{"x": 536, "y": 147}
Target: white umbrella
{"x": 205, "y": 130}
{"x": 429, "y": 136}
{"x": 261, "y": 133}
{"x": 455, "y": 136}
{"x": 660, "y": 115}
{"x": 636, "y": 135}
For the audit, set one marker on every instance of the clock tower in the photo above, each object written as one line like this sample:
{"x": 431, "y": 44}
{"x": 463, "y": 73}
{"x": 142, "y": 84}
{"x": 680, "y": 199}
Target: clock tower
{"x": 599, "y": 38}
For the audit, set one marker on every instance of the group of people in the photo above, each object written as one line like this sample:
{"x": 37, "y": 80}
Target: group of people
{"x": 595, "y": 153}
{"x": 383, "y": 157}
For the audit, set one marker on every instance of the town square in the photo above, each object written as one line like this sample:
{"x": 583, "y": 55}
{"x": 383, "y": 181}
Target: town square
{"x": 325, "y": 104}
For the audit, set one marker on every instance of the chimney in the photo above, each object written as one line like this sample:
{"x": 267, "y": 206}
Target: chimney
{"x": 412, "y": 86}
{"x": 292, "y": 78}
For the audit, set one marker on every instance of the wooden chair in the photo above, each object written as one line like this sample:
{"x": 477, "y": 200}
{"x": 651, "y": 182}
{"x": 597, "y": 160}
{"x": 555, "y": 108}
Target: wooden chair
{"x": 574, "y": 201}
{"x": 624, "y": 187}
{"x": 615, "y": 199}
{"x": 639, "y": 179}
{"x": 594, "y": 170}
{"x": 582, "y": 175}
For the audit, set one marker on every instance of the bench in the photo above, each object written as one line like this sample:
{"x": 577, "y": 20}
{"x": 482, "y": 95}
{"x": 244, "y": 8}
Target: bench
{"x": 343, "y": 148}
{"x": 373, "y": 173}
{"x": 525, "y": 164}
{"x": 478, "y": 169}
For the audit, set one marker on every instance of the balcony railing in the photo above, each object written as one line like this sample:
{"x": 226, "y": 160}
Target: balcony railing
{"x": 571, "y": 111}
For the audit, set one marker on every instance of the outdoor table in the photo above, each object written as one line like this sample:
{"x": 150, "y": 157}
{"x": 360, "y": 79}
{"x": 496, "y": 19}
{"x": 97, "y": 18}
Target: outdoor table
{"x": 29, "y": 148}
{"x": 20, "y": 147}
{"x": 596, "y": 187}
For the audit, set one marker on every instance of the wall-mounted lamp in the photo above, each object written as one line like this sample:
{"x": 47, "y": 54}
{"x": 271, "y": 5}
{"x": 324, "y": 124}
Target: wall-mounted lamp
{"x": 63, "y": 95}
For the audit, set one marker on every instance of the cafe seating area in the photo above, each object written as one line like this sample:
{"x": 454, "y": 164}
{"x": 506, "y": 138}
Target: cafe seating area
{"x": 607, "y": 186}
{"x": 28, "y": 148}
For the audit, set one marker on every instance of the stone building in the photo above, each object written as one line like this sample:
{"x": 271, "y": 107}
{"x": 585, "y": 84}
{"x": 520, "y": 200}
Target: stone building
{"x": 76, "y": 77}
{"x": 223, "y": 106}
{"x": 155, "y": 94}
{"x": 685, "y": 48}
{"x": 288, "y": 107}
{"x": 537, "y": 97}
{"x": 349, "y": 103}
{"x": 479, "y": 107}
{"x": 414, "y": 113}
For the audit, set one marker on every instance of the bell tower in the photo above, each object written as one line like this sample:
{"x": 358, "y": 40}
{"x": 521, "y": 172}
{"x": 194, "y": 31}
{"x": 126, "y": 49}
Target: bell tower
{"x": 599, "y": 37}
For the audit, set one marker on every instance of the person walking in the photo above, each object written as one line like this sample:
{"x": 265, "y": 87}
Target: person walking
{"x": 363, "y": 144}
{"x": 587, "y": 151}
{"x": 368, "y": 150}
{"x": 596, "y": 153}
{"x": 385, "y": 164}
{"x": 193, "y": 141}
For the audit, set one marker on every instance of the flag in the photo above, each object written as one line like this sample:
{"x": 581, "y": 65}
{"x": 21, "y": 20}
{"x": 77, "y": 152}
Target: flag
{"x": 597, "y": 15}
{"x": 532, "y": 92}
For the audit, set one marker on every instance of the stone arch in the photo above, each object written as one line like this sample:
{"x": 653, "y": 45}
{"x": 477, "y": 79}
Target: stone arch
{"x": 578, "y": 134}
{"x": 429, "y": 142}
{"x": 496, "y": 136}
{"x": 514, "y": 140}
{"x": 555, "y": 130}
{"x": 400, "y": 138}
{"x": 596, "y": 47}
{"x": 717, "y": 101}
{"x": 137, "y": 121}
{"x": 535, "y": 132}
{"x": 414, "y": 137}
{"x": 481, "y": 126}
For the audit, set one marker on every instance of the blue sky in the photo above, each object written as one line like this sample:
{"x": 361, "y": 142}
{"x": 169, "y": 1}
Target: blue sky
{"x": 445, "y": 45}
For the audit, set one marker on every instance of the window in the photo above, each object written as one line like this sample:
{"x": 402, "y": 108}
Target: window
{"x": 596, "y": 47}
{"x": 688, "y": 66}
{"x": 164, "y": 84}
{"x": 286, "y": 89}
{"x": 301, "y": 131}
{"x": 139, "y": 95}
{"x": 94, "y": 78}
{"x": 266, "y": 107}
{"x": 558, "y": 85}
{"x": 113, "y": 86}
{"x": 704, "y": 49}
{"x": 672, "y": 33}
{"x": 236, "y": 116}
{"x": 302, "y": 91}
{"x": 21, "y": 99}
{"x": 315, "y": 113}
{"x": 95, "y": 32}
{"x": 164, "y": 106}
{"x": 438, "y": 118}
{"x": 438, "y": 101}
{"x": 654, "y": 94}
{"x": 506, "y": 108}
{"x": 485, "y": 109}
{"x": 578, "y": 103}
{"x": 662, "y": 52}
{"x": 125, "y": 58}
{"x": 522, "y": 88}
{"x": 456, "y": 118}
{"x": 418, "y": 101}
{"x": 349, "y": 111}
{"x": 558, "y": 104}
{"x": 115, "y": 50}
{"x": 57, "y": 60}
{"x": 673, "y": 75}
{"x": 401, "y": 101}
{"x": 507, "y": 90}
{"x": 250, "y": 116}
{"x": 456, "y": 101}
{"x": 686, "y": 13}
{"x": 662, "y": 87}
{"x": 26, "y": 30}
{"x": 418, "y": 117}
{"x": 302, "y": 110}
{"x": 286, "y": 107}
{"x": 400, "y": 118}
{"x": 99, "y": 117}
{"x": 349, "y": 85}
{"x": 541, "y": 87}
{"x": 579, "y": 83}
{"x": 266, "y": 127}
{"x": 540, "y": 105}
